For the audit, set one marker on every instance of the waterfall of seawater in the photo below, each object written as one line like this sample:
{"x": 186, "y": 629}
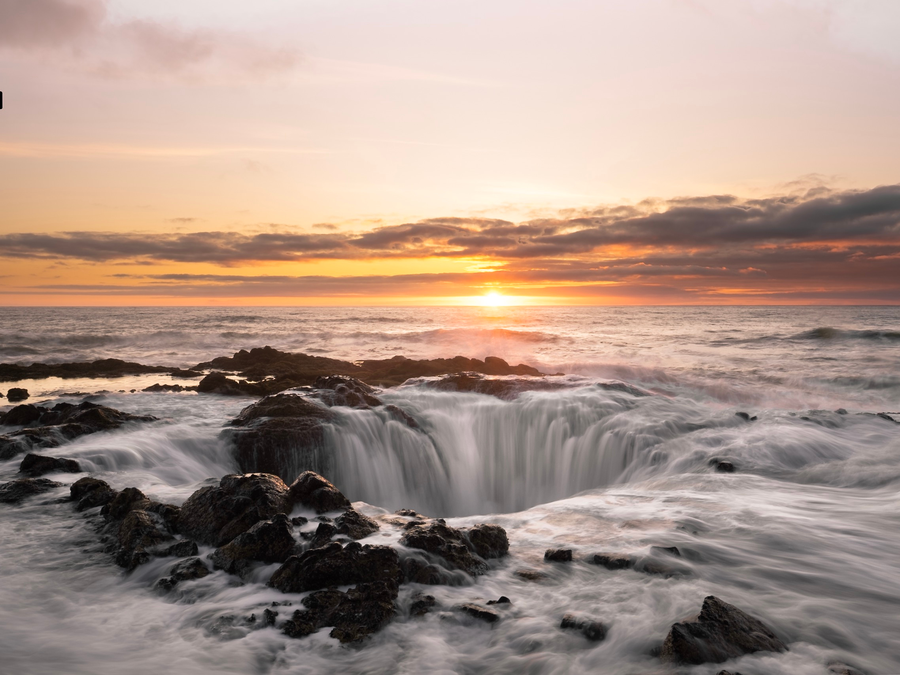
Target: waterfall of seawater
{"x": 477, "y": 454}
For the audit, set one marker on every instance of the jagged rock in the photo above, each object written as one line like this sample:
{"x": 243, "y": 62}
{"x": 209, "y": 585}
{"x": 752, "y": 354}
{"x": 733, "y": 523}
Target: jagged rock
{"x": 269, "y": 617}
{"x": 139, "y": 533}
{"x": 336, "y": 565}
{"x": 17, "y": 394}
{"x": 91, "y": 492}
{"x": 37, "y": 465}
{"x": 719, "y": 633}
{"x": 402, "y": 416}
{"x": 21, "y": 415}
{"x": 594, "y": 631}
{"x": 167, "y": 388}
{"x": 355, "y": 614}
{"x": 10, "y": 372}
{"x": 558, "y": 555}
{"x": 269, "y": 541}
{"x": 281, "y": 434}
{"x": 416, "y": 570}
{"x": 63, "y": 422}
{"x": 215, "y": 515}
{"x": 168, "y": 512}
{"x": 479, "y": 612}
{"x": 218, "y": 383}
{"x": 17, "y": 490}
{"x": 181, "y": 549}
{"x": 421, "y": 604}
{"x": 613, "y": 561}
{"x": 185, "y": 570}
{"x": 505, "y": 388}
{"x": 355, "y": 525}
{"x": 488, "y": 541}
{"x": 346, "y": 391}
{"x": 315, "y": 492}
{"x": 127, "y": 500}
{"x": 323, "y": 535}
{"x": 727, "y": 672}
{"x": 447, "y": 543}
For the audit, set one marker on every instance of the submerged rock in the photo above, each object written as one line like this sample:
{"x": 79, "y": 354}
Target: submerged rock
{"x": 215, "y": 515}
{"x": 37, "y": 465}
{"x": 50, "y": 427}
{"x": 185, "y": 570}
{"x": 613, "y": 561}
{"x": 445, "y": 542}
{"x": 595, "y": 631}
{"x": 354, "y": 614}
{"x": 720, "y": 632}
{"x": 337, "y": 565}
{"x": 315, "y": 492}
{"x": 139, "y": 533}
{"x": 282, "y": 435}
{"x": 502, "y": 388}
{"x": 342, "y": 390}
{"x": 17, "y": 490}
{"x": 558, "y": 555}
{"x": 479, "y": 612}
{"x": 488, "y": 541}
{"x": 841, "y": 668}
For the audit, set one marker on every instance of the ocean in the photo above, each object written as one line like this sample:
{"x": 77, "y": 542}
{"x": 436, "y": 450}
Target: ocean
{"x": 804, "y": 535}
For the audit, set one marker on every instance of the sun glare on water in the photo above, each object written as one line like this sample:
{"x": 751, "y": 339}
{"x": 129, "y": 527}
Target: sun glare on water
{"x": 494, "y": 299}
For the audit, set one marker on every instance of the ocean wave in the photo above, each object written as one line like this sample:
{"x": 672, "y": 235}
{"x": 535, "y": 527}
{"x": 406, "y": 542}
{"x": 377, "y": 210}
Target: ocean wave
{"x": 829, "y": 333}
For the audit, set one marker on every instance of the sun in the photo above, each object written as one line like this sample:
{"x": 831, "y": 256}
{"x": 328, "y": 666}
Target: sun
{"x": 494, "y": 299}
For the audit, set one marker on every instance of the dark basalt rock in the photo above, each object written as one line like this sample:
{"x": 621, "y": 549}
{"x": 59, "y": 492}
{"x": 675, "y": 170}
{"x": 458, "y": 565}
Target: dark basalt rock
{"x": 530, "y": 575}
{"x": 269, "y": 541}
{"x": 506, "y": 389}
{"x": 613, "y": 561}
{"x": 168, "y": 388}
{"x": 17, "y": 394}
{"x": 354, "y": 614}
{"x": 127, "y": 500}
{"x": 558, "y": 555}
{"x": 488, "y": 541}
{"x": 10, "y": 372}
{"x": 63, "y": 422}
{"x": 323, "y": 535}
{"x": 355, "y": 525}
{"x": 402, "y": 416}
{"x": 336, "y": 565}
{"x": 345, "y": 391}
{"x": 91, "y": 492}
{"x": 180, "y": 549}
{"x": 594, "y": 631}
{"x": 215, "y": 515}
{"x": 185, "y": 570}
{"x": 38, "y": 465}
{"x": 745, "y": 416}
{"x": 21, "y": 415}
{"x": 447, "y": 543}
{"x": 719, "y": 633}
{"x": 140, "y": 532}
{"x": 502, "y": 600}
{"x": 17, "y": 490}
{"x": 417, "y": 570}
{"x": 722, "y": 466}
{"x": 315, "y": 492}
{"x": 282, "y": 435}
{"x": 218, "y": 383}
{"x": 421, "y": 604}
{"x": 479, "y": 612}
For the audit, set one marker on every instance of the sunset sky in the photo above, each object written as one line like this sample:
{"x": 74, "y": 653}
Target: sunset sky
{"x": 431, "y": 152}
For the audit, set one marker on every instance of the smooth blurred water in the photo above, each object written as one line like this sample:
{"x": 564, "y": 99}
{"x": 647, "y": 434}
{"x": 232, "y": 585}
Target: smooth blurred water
{"x": 805, "y": 535}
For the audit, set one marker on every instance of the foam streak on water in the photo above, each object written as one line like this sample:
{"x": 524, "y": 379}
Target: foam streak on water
{"x": 805, "y": 535}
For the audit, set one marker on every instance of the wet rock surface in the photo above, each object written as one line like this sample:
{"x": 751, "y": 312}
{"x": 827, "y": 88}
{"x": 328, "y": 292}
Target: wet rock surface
{"x": 355, "y": 525}
{"x": 315, "y": 492}
{"x": 17, "y": 490}
{"x": 10, "y": 372}
{"x": 354, "y": 614}
{"x": 268, "y": 541}
{"x": 346, "y": 391}
{"x": 50, "y": 427}
{"x": 558, "y": 555}
{"x": 506, "y": 388}
{"x": 613, "y": 561}
{"x": 595, "y": 631}
{"x": 17, "y": 394}
{"x": 281, "y": 434}
{"x": 37, "y": 465}
{"x": 720, "y": 632}
{"x": 488, "y": 541}
{"x": 215, "y": 515}
{"x": 91, "y": 492}
{"x": 481, "y": 613}
{"x": 447, "y": 544}
{"x": 184, "y": 570}
{"x": 337, "y": 565}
